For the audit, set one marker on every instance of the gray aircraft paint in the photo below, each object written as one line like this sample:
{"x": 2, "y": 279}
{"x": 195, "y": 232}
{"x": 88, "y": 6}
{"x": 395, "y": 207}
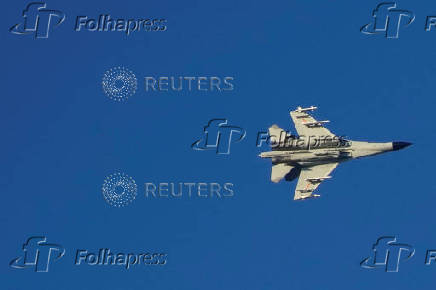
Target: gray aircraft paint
{"x": 316, "y": 152}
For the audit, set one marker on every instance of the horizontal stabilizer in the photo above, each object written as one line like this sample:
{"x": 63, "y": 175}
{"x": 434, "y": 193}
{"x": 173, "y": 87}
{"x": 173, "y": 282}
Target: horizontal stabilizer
{"x": 279, "y": 171}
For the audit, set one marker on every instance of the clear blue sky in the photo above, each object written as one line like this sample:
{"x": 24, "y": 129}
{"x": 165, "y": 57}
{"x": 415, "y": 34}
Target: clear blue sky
{"x": 61, "y": 136}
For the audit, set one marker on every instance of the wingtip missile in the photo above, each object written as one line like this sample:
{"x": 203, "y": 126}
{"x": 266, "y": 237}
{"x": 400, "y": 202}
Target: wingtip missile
{"x": 308, "y": 197}
{"x": 300, "y": 109}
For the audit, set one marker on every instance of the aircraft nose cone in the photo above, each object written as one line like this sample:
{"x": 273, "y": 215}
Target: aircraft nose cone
{"x": 400, "y": 145}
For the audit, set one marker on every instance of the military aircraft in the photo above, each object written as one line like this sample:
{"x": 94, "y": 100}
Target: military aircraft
{"x": 315, "y": 153}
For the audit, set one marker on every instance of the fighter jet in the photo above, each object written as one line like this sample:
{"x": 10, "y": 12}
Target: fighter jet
{"x": 315, "y": 153}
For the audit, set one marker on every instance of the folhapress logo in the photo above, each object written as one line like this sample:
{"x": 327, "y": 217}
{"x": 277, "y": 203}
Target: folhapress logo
{"x": 105, "y": 22}
{"x": 38, "y": 20}
{"x": 106, "y": 257}
{"x": 388, "y": 20}
{"x": 218, "y": 135}
{"x": 387, "y": 253}
{"x": 38, "y": 254}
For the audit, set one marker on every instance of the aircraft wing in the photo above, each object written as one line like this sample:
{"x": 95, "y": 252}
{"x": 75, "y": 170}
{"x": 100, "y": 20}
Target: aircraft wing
{"x": 310, "y": 178}
{"x": 306, "y": 125}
